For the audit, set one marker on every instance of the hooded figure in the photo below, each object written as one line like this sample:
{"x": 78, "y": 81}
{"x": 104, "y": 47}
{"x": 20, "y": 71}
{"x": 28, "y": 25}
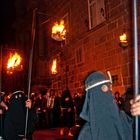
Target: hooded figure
{"x": 104, "y": 121}
{"x": 14, "y": 123}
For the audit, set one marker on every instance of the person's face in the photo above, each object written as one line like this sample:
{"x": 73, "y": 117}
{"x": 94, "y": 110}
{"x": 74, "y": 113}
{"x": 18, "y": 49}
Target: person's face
{"x": 106, "y": 87}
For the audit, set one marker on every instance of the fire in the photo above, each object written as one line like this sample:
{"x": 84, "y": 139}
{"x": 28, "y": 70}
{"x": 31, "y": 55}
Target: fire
{"x": 123, "y": 38}
{"x": 59, "y": 31}
{"x": 14, "y": 62}
{"x": 54, "y": 67}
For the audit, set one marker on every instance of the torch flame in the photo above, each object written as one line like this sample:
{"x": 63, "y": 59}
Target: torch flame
{"x": 13, "y": 62}
{"x": 59, "y": 31}
{"x": 54, "y": 67}
{"x": 123, "y": 38}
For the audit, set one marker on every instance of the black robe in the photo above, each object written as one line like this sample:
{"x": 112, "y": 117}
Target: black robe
{"x": 104, "y": 120}
{"x": 14, "y": 122}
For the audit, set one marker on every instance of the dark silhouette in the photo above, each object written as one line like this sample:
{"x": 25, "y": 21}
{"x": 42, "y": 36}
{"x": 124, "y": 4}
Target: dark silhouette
{"x": 67, "y": 110}
{"x": 14, "y": 121}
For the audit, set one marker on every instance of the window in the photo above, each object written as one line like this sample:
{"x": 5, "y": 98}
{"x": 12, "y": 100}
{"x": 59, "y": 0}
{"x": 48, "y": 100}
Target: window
{"x": 96, "y": 12}
{"x": 115, "y": 79}
{"x": 79, "y": 55}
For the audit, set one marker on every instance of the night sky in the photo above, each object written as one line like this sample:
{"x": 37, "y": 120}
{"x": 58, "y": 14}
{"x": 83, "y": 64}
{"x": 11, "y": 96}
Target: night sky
{"x": 7, "y": 17}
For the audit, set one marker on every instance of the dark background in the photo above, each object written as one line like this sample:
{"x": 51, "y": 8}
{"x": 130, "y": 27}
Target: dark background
{"x": 7, "y": 17}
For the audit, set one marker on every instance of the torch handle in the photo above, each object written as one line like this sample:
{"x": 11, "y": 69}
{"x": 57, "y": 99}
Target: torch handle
{"x": 30, "y": 67}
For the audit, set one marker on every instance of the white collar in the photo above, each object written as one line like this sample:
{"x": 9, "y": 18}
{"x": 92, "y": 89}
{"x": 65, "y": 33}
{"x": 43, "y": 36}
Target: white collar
{"x": 97, "y": 84}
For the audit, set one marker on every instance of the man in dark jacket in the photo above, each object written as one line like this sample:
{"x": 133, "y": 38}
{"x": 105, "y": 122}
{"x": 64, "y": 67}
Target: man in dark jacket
{"x": 104, "y": 120}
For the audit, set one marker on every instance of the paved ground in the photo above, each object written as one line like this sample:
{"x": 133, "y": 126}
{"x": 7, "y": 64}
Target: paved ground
{"x": 50, "y": 134}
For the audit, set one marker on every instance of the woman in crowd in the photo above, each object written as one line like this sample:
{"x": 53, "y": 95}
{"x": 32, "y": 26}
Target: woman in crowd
{"x": 67, "y": 111}
{"x": 49, "y": 108}
{"x": 56, "y": 110}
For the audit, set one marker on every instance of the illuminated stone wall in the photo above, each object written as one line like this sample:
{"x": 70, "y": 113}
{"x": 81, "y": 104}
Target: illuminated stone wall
{"x": 97, "y": 49}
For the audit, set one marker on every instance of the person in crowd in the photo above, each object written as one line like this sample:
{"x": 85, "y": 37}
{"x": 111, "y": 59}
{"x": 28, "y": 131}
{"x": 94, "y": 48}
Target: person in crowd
{"x": 128, "y": 95}
{"x": 78, "y": 103}
{"x": 38, "y": 102}
{"x": 118, "y": 99}
{"x": 3, "y": 108}
{"x": 49, "y": 108}
{"x": 78, "y": 100}
{"x": 104, "y": 120}
{"x": 67, "y": 111}
{"x": 15, "y": 117}
{"x": 56, "y": 110}
{"x": 38, "y": 105}
{"x": 3, "y": 105}
{"x": 33, "y": 98}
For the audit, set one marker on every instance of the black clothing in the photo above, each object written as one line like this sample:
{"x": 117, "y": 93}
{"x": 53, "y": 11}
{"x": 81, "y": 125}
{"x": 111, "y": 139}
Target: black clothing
{"x": 104, "y": 119}
{"x": 15, "y": 117}
{"x": 67, "y": 109}
{"x": 1, "y": 124}
{"x": 39, "y": 107}
{"x": 1, "y": 116}
{"x": 126, "y": 101}
{"x": 78, "y": 103}
{"x": 56, "y": 112}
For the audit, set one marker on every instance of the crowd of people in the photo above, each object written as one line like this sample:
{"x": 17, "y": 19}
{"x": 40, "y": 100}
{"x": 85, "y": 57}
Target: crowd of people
{"x": 94, "y": 112}
{"x": 55, "y": 110}
{"x": 48, "y": 110}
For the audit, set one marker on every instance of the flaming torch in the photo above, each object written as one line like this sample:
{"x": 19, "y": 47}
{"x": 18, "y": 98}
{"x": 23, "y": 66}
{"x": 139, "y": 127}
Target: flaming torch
{"x": 14, "y": 63}
{"x": 59, "y": 31}
{"x": 54, "y": 67}
{"x": 123, "y": 41}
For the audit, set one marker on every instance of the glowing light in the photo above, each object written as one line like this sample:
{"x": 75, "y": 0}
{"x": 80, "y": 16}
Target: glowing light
{"x": 14, "y": 63}
{"x": 59, "y": 31}
{"x": 123, "y": 38}
{"x": 123, "y": 41}
{"x": 54, "y": 67}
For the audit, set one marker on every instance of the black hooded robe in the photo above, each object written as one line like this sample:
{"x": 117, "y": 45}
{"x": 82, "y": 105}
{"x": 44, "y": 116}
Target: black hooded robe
{"x": 15, "y": 117}
{"x": 104, "y": 119}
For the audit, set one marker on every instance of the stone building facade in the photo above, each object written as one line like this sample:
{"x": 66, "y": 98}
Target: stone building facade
{"x": 90, "y": 44}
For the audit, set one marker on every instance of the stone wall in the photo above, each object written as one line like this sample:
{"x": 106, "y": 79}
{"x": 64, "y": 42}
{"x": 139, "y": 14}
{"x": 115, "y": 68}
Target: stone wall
{"x": 100, "y": 46}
